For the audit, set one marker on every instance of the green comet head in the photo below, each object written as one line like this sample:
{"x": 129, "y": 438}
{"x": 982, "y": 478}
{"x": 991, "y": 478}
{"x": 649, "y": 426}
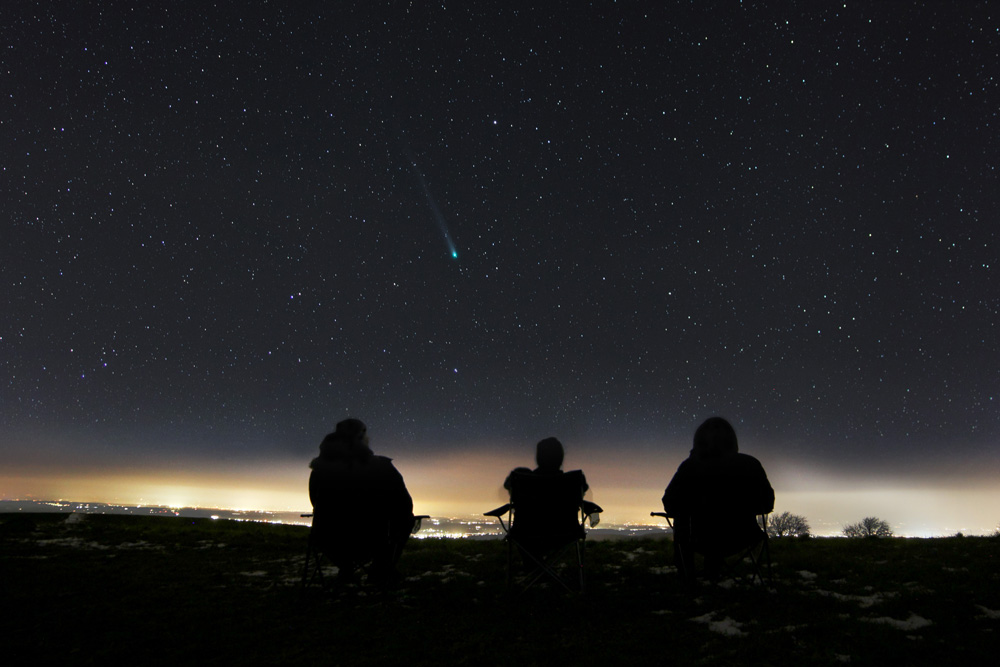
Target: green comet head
{"x": 454, "y": 254}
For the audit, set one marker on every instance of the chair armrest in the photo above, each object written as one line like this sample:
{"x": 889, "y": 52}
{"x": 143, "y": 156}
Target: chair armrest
{"x": 417, "y": 521}
{"x": 306, "y": 516}
{"x": 665, "y": 515}
{"x": 499, "y": 512}
{"x": 590, "y": 508}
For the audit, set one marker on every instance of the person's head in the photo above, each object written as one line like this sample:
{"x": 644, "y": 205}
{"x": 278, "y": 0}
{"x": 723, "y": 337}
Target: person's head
{"x": 549, "y": 454}
{"x": 352, "y": 431}
{"x": 350, "y": 438}
{"x": 714, "y": 437}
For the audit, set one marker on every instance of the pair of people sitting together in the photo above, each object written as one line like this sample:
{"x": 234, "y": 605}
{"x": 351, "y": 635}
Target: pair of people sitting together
{"x": 713, "y": 499}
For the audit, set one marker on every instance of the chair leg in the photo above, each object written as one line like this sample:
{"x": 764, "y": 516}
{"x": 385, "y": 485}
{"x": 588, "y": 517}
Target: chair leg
{"x": 510, "y": 564}
{"x": 306, "y": 579}
{"x": 683, "y": 561}
{"x": 759, "y": 556}
{"x": 317, "y": 567}
{"x": 305, "y": 568}
{"x": 767, "y": 555}
{"x": 763, "y": 563}
{"x": 545, "y": 566}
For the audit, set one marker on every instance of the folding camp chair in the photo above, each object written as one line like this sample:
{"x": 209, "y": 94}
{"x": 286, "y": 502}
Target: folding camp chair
{"x": 312, "y": 570}
{"x": 755, "y": 549}
{"x": 546, "y": 522}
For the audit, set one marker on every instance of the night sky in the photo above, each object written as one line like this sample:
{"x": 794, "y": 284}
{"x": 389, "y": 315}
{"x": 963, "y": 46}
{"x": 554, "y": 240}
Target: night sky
{"x": 474, "y": 225}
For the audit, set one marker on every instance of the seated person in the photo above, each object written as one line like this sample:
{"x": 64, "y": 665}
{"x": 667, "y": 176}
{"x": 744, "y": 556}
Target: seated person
{"x": 546, "y": 500}
{"x": 715, "y": 496}
{"x": 362, "y": 511}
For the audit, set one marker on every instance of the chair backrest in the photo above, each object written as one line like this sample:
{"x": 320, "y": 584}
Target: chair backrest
{"x": 547, "y": 503}
{"x": 731, "y": 486}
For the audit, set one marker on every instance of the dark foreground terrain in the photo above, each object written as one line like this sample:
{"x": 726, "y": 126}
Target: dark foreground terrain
{"x": 112, "y": 589}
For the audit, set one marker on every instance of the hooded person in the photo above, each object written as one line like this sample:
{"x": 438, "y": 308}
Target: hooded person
{"x": 549, "y": 456}
{"x": 362, "y": 511}
{"x": 716, "y": 495}
{"x": 548, "y": 497}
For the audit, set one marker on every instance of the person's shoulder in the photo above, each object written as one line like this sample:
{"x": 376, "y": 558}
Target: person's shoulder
{"x": 382, "y": 465}
{"x": 747, "y": 459}
{"x": 689, "y": 464}
{"x": 748, "y": 463}
{"x": 321, "y": 464}
{"x": 381, "y": 462}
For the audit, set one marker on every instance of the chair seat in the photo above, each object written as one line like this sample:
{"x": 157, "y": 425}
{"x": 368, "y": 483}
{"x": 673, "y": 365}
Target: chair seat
{"x": 745, "y": 537}
{"x": 545, "y": 521}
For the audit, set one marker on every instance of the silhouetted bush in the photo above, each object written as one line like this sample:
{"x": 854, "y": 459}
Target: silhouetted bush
{"x": 870, "y": 526}
{"x": 787, "y": 524}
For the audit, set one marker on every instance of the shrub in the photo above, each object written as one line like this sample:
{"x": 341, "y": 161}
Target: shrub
{"x": 871, "y": 526}
{"x": 787, "y": 524}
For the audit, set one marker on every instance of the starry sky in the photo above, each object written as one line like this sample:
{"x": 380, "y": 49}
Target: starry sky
{"x": 228, "y": 225}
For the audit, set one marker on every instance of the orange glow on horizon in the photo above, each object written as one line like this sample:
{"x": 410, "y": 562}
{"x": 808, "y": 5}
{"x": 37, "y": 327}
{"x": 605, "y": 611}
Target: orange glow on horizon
{"x": 468, "y": 484}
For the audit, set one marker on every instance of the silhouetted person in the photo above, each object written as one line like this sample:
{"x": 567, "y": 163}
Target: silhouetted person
{"x": 362, "y": 511}
{"x": 715, "y": 496}
{"x": 549, "y": 456}
{"x": 546, "y": 500}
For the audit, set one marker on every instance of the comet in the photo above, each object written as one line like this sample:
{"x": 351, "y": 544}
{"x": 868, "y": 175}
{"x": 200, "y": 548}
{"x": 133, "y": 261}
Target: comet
{"x": 432, "y": 204}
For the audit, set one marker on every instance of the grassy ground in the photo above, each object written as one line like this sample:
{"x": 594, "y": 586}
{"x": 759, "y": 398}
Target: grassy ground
{"x": 169, "y": 590}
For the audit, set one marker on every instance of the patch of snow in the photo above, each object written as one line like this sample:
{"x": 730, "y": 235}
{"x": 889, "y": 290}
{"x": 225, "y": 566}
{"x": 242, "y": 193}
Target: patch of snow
{"x": 914, "y": 622}
{"x": 447, "y": 574}
{"x": 726, "y": 626}
{"x": 988, "y": 613}
{"x": 864, "y": 601}
{"x": 255, "y": 573}
{"x": 209, "y": 544}
{"x": 74, "y": 542}
{"x": 807, "y": 575}
{"x": 141, "y": 545}
{"x": 665, "y": 569}
{"x": 793, "y": 628}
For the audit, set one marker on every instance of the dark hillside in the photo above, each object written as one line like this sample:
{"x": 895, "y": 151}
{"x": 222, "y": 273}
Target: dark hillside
{"x": 173, "y": 591}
